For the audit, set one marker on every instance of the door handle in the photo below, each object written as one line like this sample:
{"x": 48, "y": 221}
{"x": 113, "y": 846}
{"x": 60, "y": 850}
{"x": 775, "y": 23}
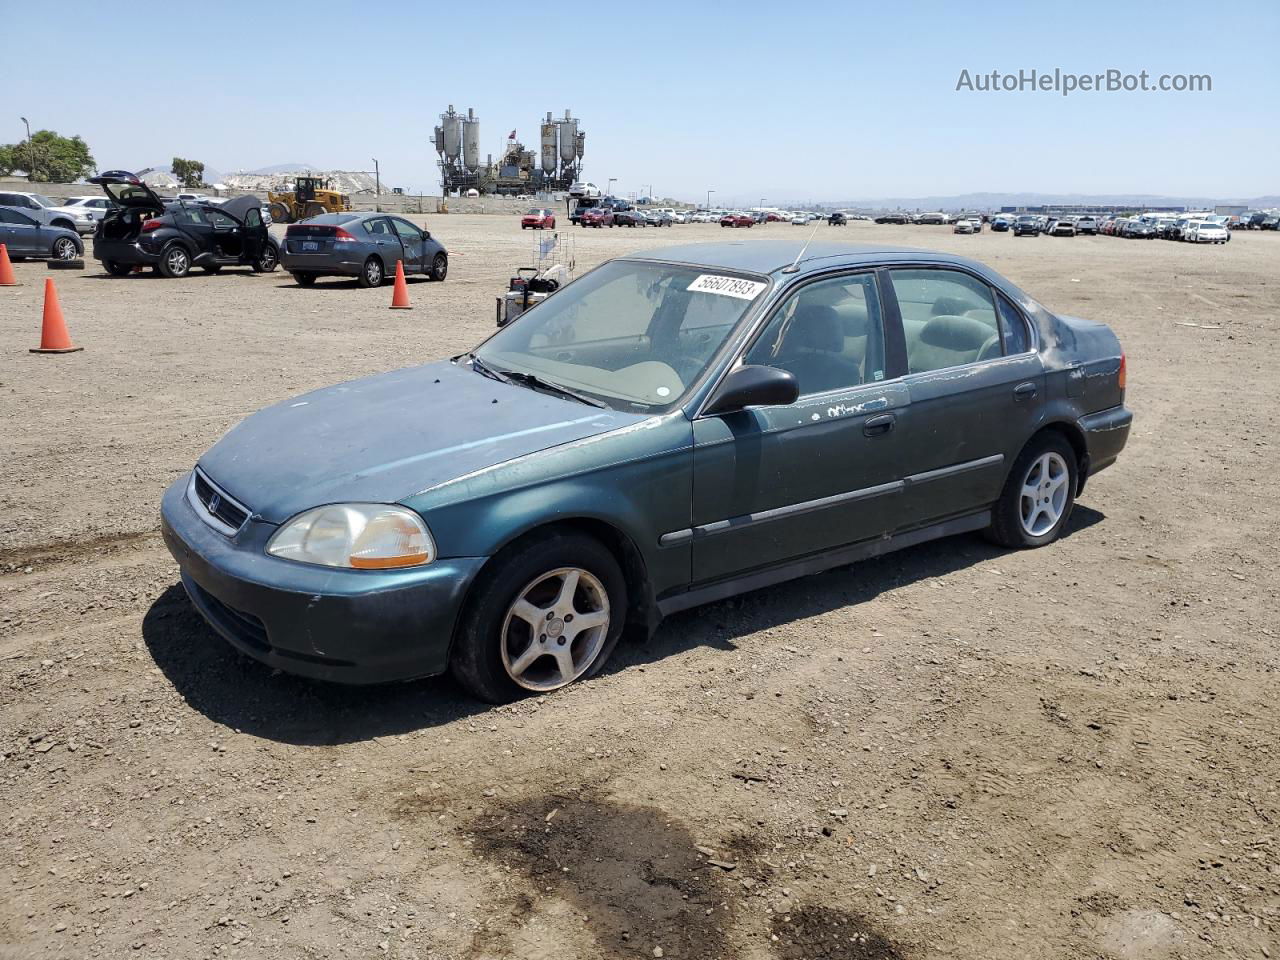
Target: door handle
{"x": 1024, "y": 391}
{"x": 879, "y": 426}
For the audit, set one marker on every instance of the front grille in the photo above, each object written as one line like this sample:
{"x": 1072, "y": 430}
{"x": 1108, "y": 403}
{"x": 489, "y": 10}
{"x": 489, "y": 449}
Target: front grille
{"x": 248, "y": 628}
{"x": 218, "y": 505}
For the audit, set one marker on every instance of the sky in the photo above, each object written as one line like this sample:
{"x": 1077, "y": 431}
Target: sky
{"x": 753, "y": 100}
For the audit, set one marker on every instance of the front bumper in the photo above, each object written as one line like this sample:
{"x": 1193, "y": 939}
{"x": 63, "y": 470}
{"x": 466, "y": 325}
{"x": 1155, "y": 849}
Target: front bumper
{"x": 348, "y": 626}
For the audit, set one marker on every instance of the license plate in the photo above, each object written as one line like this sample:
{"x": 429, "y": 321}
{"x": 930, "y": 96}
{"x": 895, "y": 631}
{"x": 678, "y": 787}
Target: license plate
{"x": 310, "y": 245}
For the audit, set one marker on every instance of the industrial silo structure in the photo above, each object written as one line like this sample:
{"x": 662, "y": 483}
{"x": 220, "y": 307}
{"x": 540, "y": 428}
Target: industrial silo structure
{"x": 471, "y": 142}
{"x": 452, "y": 126}
{"x": 568, "y": 137}
{"x": 548, "y": 147}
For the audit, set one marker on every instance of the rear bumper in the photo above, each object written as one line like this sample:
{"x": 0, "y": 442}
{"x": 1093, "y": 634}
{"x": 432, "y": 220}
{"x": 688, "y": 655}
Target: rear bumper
{"x": 347, "y": 626}
{"x": 343, "y": 264}
{"x": 1105, "y": 434}
{"x": 123, "y": 251}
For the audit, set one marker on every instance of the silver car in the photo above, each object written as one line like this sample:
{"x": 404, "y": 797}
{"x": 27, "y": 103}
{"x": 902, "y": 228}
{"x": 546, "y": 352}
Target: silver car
{"x": 361, "y": 245}
{"x": 39, "y": 207}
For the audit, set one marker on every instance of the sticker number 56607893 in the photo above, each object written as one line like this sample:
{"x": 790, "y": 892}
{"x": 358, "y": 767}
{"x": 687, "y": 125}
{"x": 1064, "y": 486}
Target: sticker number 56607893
{"x": 727, "y": 286}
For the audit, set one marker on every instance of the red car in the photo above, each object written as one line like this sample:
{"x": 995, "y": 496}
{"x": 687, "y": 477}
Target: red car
{"x": 597, "y": 217}
{"x": 736, "y": 220}
{"x": 538, "y": 220}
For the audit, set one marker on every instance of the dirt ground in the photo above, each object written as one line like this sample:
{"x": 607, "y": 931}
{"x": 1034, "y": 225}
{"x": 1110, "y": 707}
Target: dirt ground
{"x": 953, "y": 751}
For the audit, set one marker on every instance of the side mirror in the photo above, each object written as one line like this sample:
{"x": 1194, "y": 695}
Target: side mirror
{"x": 754, "y": 385}
{"x": 426, "y": 235}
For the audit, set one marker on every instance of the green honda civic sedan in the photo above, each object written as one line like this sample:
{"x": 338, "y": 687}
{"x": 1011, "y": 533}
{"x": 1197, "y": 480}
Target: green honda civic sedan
{"x": 672, "y": 428}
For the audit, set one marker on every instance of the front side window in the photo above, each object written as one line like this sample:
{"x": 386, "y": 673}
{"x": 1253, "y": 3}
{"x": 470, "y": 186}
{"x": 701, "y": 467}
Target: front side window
{"x": 253, "y": 218}
{"x": 948, "y": 318}
{"x": 828, "y": 334}
{"x": 633, "y": 334}
{"x": 406, "y": 230}
{"x": 220, "y": 221}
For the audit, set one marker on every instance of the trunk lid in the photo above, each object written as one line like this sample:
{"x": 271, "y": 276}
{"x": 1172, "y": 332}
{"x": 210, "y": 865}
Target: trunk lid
{"x": 128, "y": 191}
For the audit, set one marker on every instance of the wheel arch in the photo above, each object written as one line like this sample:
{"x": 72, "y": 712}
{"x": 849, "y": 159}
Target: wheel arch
{"x": 1071, "y": 432}
{"x": 642, "y": 608}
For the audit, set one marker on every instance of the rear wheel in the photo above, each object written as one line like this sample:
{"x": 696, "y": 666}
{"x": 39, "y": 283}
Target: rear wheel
{"x": 116, "y": 268}
{"x": 175, "y": 262}
{"x": 439, "y": 267}
{"x": 549, "y": 612}
{"x": 305, "y": 279}
{"x": 1038, "y": 495}
{"x": 64, "y": 248}
{"x": 371, "y": 273}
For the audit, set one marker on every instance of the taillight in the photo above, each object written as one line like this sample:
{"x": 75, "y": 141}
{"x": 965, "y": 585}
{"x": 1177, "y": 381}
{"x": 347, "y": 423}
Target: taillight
{"x": 341, "y": 236}
{"x": 1124, "y": 369}
{"x": 150, "y": 225}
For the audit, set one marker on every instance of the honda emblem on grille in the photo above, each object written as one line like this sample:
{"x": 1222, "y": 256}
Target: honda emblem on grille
{"x": 215, "y": 502}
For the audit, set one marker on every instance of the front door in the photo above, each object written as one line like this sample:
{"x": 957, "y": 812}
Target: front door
{"x": 976, "y": 391}
{"x": 414, "y": 247}
{"x": 254, "y": 234}
{"x": 773, "y": 484}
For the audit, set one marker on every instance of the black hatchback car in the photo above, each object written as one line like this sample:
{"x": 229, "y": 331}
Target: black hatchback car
{"x": 174, "y": 236}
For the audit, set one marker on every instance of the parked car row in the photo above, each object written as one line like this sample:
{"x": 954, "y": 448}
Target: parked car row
{"x": 1202, "y": 228}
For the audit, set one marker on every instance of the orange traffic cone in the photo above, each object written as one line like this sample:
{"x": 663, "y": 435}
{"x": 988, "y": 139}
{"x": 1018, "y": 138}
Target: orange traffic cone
{"x": 400, "y": 296}
{"x": 53, "y": 335}
{"x": 7, "y": 279}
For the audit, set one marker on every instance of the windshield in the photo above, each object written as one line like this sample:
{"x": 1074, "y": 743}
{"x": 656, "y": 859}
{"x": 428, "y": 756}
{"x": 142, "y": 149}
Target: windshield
{"x": 632, "y": 334}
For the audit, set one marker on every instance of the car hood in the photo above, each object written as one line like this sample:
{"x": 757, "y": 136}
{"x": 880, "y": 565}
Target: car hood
{"x": 386, "y": 437}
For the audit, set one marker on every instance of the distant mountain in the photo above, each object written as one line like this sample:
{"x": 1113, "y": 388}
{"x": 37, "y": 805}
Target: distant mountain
{"x": 993, "y": 201}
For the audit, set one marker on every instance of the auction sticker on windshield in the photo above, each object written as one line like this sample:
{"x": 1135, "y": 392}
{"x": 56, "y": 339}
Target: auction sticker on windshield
{"x": 727, "y": 286}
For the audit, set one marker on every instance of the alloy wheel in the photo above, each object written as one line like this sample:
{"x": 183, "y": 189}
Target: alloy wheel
{"x": 373, "y": 272}
{"x": 64, "y": 249}
{"x": 1044, "y": 494}
{"x": 555, "y": 629}
{"x": 176, "y": 259}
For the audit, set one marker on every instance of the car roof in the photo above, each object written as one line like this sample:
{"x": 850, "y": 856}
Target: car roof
{"x": 770, "y": 256}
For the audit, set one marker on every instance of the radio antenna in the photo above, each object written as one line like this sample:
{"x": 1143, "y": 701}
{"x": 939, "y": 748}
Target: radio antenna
{"x": 794, "y": 268}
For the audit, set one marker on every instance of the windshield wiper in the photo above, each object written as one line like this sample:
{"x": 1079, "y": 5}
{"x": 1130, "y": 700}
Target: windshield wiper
{"x": 479, "y": 366}
{"x": 537, "y": 383}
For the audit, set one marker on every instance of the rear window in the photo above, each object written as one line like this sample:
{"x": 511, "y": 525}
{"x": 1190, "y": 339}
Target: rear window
{"x": 332, "y": 218}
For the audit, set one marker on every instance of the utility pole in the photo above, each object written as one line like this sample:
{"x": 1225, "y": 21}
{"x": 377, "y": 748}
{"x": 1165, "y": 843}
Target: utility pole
{"x": 377, "y": 180}
{"x": 31, "y": 151}
{"x": 709, "y": 193}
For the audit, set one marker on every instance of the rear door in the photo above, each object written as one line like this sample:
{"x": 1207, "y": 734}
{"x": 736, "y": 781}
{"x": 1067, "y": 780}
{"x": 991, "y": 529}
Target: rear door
{"x": 385, "y": 239}
{"x": 976, "y": 388}
{"x": 412, "y": 243}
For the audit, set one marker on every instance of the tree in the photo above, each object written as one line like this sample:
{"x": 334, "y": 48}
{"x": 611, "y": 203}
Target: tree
{"x": 189, "y": 172}
{"x": 48, "y": 158}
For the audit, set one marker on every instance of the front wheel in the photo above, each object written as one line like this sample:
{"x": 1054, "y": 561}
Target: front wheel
{"x": 267, "y": 260}
{"x": 549, "y": 612}
{"x": 175, "y": 263}
{"x": 439, "y": 267}
{"x": 371, "y": 273}
{"x": 1038, "y": 496}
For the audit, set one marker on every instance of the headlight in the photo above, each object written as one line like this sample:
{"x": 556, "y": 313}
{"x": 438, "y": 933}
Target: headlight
{"x": 363, "y": 536}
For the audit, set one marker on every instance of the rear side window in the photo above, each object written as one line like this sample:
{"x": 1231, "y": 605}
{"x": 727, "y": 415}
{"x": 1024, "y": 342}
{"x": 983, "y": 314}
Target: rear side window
{"x": 948, "y": 318}
{"x": 377, "y": 227}
{"x": 1013, "y": 328}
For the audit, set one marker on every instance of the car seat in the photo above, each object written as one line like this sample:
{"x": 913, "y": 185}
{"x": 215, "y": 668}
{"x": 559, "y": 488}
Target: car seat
{"x": 812, "y": 348}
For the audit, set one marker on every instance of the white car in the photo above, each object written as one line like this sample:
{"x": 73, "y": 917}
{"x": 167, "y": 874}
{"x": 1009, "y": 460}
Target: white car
{"x": 967, "y": 226}
{"x": 799, "y": 220}
{"x": 1205, "y": 231}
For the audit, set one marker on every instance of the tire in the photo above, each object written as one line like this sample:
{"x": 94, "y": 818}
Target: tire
{"x": 372, "y": 273}
{"x": 268, "y": 260}
{"x": 175, "y": 262}
{"x": 1047, "y": 470}
{"x": 535, "y": 570}
{"x": 64, "y": 248}
{"x": 305, "y": 279}
{"x": 117, "y": 269}
{"x": 279, "y": 213}
{"x": 439, "y": 267}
